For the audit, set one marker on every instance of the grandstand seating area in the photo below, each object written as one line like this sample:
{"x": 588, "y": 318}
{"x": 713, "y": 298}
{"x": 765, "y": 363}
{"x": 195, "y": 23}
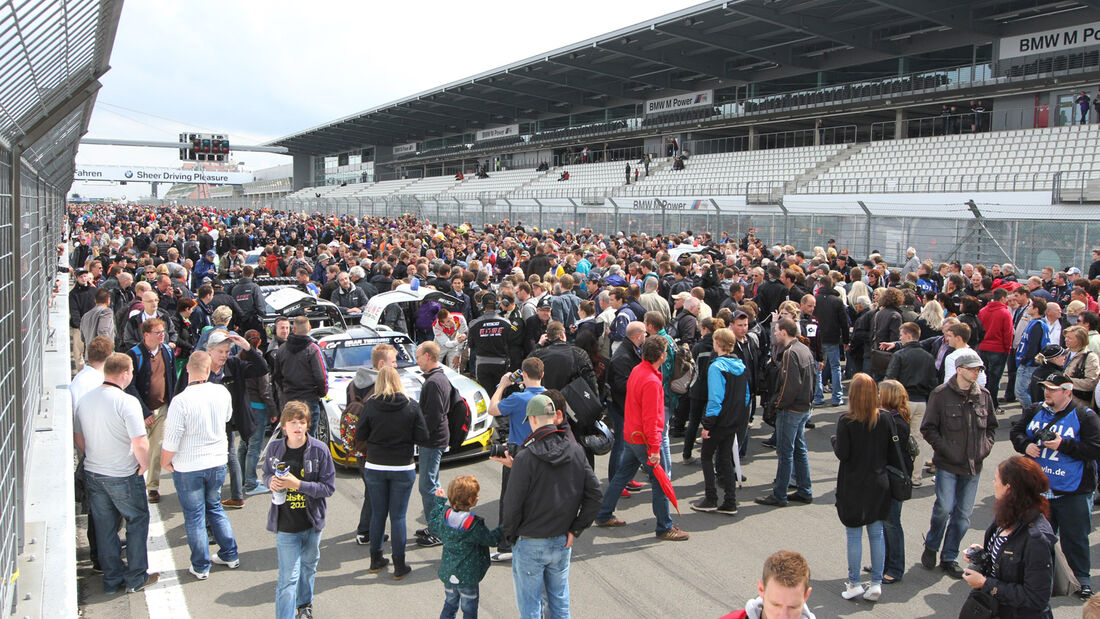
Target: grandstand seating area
{"x": 1025, "y": 152}
{"x": 1006, "y": 160}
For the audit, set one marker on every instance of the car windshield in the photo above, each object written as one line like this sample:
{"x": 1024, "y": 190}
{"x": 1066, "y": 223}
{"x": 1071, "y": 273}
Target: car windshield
{"x": 351, "y": 358}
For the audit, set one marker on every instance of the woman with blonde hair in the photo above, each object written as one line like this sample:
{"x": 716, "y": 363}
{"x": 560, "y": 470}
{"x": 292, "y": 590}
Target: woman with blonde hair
{"x": 862, "y": 445}
{"x": 1083, "y": 367}
{"x": 390, "y": 425}
{"x": 894, "y": 399}
{"x": 856, "y": 290}
{"x": 930, "y": 320}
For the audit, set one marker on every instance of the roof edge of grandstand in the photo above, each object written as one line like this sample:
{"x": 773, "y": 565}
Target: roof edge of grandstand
{"x": 687, "y": 12}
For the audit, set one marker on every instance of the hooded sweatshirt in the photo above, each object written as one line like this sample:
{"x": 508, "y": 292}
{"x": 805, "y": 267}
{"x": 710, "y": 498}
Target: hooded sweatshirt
{"x": 466, "y": 542}
{"x": 727, "y": 396}
{"x": 754, "y": 609}
{"x": 300, "y": 370}
{"x": 551, "y": 489}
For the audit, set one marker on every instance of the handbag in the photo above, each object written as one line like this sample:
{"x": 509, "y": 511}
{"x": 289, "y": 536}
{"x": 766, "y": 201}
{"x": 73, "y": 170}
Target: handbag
{"x": 880, "y": 361}
{"x": 901, "y": 485}
{"x": 1065, "y": 583}
{"x": 583, "y": 404}
{"x": 979, "y": 605}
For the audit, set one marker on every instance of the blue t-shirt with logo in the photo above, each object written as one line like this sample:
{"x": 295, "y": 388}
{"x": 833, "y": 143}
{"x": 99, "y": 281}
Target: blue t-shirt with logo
{"x": 514, "y": 407}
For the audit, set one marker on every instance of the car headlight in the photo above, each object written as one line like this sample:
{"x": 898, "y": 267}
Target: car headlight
{"x": 480, "y": 405}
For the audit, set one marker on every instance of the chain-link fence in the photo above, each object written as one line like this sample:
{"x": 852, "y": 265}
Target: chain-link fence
{"x": 26, "y": 282}
{"x": 1028, "y": 236}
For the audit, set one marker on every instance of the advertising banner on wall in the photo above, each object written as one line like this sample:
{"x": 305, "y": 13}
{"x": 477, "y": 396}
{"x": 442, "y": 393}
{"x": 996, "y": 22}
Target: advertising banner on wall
{"x": 497, "y": 132}
{"x": 404, "y": 149}
{"x": 159, "y": 175}
{"x": 1049, "y": 41}
{"x": 677, "y": 204}
{"x": 679, "y": 102}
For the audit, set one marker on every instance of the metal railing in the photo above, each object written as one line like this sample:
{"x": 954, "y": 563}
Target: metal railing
{"x": 1038, "y": 181}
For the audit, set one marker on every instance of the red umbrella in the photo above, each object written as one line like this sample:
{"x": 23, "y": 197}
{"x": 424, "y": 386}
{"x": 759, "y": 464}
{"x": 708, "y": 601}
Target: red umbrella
{"x": 666, "y": 485}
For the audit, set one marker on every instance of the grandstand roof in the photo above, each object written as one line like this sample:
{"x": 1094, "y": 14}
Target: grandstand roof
{"x": 715, "y": 44}
{"x": 53, "y": 54}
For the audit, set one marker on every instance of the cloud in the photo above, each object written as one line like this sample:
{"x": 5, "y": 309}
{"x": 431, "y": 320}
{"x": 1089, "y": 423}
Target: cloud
{"x": 259, "y": 70}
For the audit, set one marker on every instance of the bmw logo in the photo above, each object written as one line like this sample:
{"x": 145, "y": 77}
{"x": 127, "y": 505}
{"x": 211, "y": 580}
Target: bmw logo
{"x": 128, "y": 174}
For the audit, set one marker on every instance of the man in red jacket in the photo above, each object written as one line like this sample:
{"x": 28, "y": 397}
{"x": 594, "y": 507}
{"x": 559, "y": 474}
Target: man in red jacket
{"x": 996, "y": 346}
{"x": 643, "y": 426}
{"x": 784, "y": 589}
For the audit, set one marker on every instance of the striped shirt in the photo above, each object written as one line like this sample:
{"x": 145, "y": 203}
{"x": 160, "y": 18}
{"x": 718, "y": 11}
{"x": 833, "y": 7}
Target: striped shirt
{"x": 195, "y": 427}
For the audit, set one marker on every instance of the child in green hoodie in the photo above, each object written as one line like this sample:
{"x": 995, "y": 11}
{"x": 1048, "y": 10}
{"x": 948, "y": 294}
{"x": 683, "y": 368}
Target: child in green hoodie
{"x": 466, "y": 543}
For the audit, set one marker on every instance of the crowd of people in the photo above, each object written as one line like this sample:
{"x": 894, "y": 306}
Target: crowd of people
{"x": 588, "y": 344}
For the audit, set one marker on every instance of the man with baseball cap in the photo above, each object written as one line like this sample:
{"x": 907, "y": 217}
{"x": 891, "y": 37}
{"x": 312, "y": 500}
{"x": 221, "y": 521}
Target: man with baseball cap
{"x": 552, "y": 497}
{"x": 1063, "y": 436}
{"x": 960, "y": 424}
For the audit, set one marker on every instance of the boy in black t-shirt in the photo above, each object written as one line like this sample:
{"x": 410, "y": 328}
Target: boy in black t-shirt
{"x": 305, "y": 478}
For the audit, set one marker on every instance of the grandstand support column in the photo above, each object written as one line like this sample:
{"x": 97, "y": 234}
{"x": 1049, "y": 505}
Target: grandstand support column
{"x": 786, "y": 220}
{"x": 867, "y": 237}
{"x": 752, "y": 137}
{"x": 899, "y": 123}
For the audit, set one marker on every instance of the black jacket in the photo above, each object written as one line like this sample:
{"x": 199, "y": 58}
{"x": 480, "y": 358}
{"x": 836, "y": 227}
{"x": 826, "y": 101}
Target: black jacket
{"x": 915, "y": 368}
{"x": 1025, "y": 569}
{"x": 494, "y": 337}
{"x": 81, "y": 299}
{"x": 249, "y": 298}
{"x": 832, "y": 319}
{"x": 435, "y": 399}
{"x": 618, "y": 371}
{"x": 551, "y": 489}
{"x": 235, "y": 377}
{"x": 562, "y": 363}
{"x": 703, "y": 353}
{"x": 131, "y": 330}
{"x": 770, "y": 295}
{"x": 139, "y": 385}
{"x": 300, "y": 370}
{"x": 390, "y": 426}
{"x": 886, "y": 325}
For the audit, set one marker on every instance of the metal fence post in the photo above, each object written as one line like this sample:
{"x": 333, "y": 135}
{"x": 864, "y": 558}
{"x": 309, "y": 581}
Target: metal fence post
{"x": 786, "y": 221}
{"x": 867, "y": 237}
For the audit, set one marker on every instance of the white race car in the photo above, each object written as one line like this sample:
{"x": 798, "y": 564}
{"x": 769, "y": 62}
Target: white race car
{"x": 347, "y": 351}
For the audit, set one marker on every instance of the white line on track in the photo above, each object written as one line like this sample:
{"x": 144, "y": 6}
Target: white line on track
{"x": 164, "y": 599}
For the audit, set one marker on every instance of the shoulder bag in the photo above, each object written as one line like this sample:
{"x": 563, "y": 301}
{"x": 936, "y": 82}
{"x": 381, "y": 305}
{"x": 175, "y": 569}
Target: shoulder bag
{"x": 901, "y": 484}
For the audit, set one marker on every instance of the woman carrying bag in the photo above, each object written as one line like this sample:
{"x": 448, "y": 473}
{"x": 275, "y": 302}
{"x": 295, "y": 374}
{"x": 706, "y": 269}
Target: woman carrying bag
{"x": 390, "y": 425}
{"x": 862, "y": 443}
{"x": 1016, "y": 561}
{"x": 894, "y": 400}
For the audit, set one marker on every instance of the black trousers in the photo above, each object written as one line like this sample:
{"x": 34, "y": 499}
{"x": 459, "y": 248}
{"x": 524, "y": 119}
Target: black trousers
{"x": 695, "y": 417}
{"x": 717, "y": 456}
{"x": 364, "y": 512}
{"x": 503, "y": 546}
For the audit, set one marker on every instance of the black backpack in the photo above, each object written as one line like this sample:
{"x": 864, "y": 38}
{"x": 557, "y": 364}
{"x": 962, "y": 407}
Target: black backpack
{"x": 459, "y": 419}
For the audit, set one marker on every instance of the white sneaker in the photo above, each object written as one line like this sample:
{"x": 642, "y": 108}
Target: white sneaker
{"x": 199, "y": 575}
{"x": 234, "y": 564}
{"x": 872, "y": 593}
{"x": 853, "y": 591}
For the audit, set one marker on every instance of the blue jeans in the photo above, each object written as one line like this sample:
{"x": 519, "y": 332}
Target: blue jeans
{"x": 538, "y": 565}
{"x": 248, "y": 453}
{"x": 617, "y": 445}
{"x": 315, "y": 412}
{"x": 819, "y": 390}
{"x": 112, "y": 500}
{"x": 634, "y": 456}
{"x": 236, "y": 490}
{"x": 1071, "y": 518}
{"x": 389, "y": 496}
{"x": 429, "y": 478}
{"x": 1023, "y": 385}
{"x": 298, "y": 555}
{"x": 895, "y": 542}
{"x": 200, "y": 494}
{"x": 877, "y": 544}
{"x": 955, "y": 498}
{"x": 666, "y": 450}
{"x": 463, "y": 597}
{"x": 832, "y": 366}
{"x": 790, "y": 451}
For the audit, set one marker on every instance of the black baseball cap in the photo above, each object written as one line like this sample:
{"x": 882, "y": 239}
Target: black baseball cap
{"x": 1057, "y": 381}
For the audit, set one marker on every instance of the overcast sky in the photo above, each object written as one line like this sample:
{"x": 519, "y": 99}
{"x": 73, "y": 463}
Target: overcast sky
{"x": 260, "y": 70}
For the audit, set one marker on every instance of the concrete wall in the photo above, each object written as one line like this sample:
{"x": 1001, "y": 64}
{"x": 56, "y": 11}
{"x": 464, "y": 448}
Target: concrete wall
{"x": 303, "y": 172}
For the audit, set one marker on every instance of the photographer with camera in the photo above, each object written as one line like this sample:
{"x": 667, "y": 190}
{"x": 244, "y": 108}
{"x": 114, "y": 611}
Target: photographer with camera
{"x": 514, "y": 409}
{"x": 1012, "y": 572}
{"x": 553, "y": 496}
{"x": 1064, "y": 439}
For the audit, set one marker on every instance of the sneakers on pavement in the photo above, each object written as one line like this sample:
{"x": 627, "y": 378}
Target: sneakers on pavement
{"x": 634, "y": 486}
{"x": 234, "y": 564}
{"x": 304, "y": 612}
{"x": 952, "y": 569}
{"x": 154, "y": 496}
{"x": 625, "y": 494}
{"x": 928, "y": 558}
{"x": 853, "y": 591}
{"x": 794, "y": 497}
{"x": 675, "y": 534}
{"x": 260, "y": 489}
{"x": 428, "y": 541}
{"x": 233, "y": 503}
{"x": 199, "y": 575}
{"x": 500, "y": 557}
{"x": 705, "y": 505}
{"x": 728, "y": 508}
{"x": 769, "y": 500}
{"x": 611, "y": 522}
{"x": 150, "y": 580}
{"x": 768, "y": 444}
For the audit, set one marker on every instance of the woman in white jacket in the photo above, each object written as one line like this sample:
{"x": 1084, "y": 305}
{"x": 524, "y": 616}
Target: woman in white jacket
{"x": 450, "y": 331}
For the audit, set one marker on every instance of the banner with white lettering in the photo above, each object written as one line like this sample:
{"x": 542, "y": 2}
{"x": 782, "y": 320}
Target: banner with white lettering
{"x": 159, "y": 175}
{"x": 1049, "y": 41}
{"x": 497, "y": 132}
{"x": 404, "y": 149}
{"x": 677, "y": 203}
{"x": 679, "y": 102}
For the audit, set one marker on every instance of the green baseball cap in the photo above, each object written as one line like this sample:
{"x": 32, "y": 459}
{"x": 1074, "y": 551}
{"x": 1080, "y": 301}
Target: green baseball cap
{"x": 540, "y": 405}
